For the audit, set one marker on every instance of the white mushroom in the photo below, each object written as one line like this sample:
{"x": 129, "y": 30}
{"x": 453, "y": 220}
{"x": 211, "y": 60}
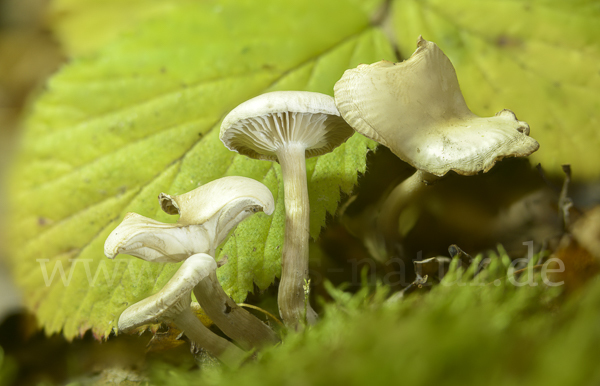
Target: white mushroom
{"x": 288, "y": 126}
{"x": 207, "y": 215}
{"x": 156, "y": 241}
{"x": 416, "y": 109}
{"x": 172, "y": 305}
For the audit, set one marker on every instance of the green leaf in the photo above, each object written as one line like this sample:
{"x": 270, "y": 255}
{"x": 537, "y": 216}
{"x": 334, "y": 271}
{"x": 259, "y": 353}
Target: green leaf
{"x": 539, "y": 58}
{"x": 84, "y": 26}
{"x": 142, "y": 116}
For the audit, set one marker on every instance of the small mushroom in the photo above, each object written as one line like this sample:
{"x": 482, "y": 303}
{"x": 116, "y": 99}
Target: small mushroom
{"x": 172, "y": 305}
{"x": 416, "y": 109}
{"x": 207, "y": 215}
{"x": 288, "y": 127}
{"x": 156, "y": 241}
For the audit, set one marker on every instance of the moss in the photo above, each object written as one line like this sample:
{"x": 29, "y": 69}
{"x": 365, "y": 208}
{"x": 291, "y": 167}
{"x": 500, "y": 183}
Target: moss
{"x": 480, "y": 331}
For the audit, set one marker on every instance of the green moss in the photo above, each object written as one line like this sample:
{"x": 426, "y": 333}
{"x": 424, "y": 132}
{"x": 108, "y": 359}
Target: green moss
{"x": 479, "y": 331}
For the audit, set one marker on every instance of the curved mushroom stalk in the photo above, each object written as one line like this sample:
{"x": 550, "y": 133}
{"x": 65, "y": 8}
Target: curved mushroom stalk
{"x": 416, "y": 109}
{"x": 172, "y": 305}
{"x": 237, "y": 323}
{"x": 387, "y": 220}
{"x": 288, "y": 126}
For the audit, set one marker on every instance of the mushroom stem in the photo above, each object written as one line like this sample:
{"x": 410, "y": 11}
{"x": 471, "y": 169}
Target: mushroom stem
{"x": 240, "y": 325}
{"x": 387, "y": 223}
{"x": 294, "y": 261}
{"x": 228, "y": 353}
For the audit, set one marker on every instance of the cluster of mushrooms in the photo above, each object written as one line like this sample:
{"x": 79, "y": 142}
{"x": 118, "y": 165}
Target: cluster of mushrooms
{"x": 426, "y": 123}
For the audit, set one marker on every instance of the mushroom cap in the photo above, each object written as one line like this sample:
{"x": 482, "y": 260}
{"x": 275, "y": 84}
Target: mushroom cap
{"x": 416, "y": 109}
{"x": 155, "y": 241}
{"x": 225, "y": 196}
{"x": 261, "y": 126}
{"x": 172, "y": 299}
{"x": 207, "y": 214}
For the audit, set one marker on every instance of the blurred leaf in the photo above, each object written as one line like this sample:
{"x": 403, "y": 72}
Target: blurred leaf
{"x": 8, "y": 369}
{"x": 141, "y": 117}
{"x": 83, "y": 26}
{"x": 578, "y": 253}
{"x": 539, "y": 58}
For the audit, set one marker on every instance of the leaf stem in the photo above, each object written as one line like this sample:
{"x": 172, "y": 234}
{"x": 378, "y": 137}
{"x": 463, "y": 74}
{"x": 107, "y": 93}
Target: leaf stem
{"x": 276, "y": 319}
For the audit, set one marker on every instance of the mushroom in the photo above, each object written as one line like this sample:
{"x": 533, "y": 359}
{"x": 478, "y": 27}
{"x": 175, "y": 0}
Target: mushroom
{"x": 207, "y": 214}
{"x": 416, "y": 109}
{"x": 156, "y": 241}
{"x": 288, "y": 127}
{"x": 172, "y": 305}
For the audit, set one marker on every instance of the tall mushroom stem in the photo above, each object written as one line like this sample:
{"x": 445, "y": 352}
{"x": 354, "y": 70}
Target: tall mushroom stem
{"x": 240, "y": 325}
{"x": 228, "y": 353}
{"x": 294, "y": 262}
